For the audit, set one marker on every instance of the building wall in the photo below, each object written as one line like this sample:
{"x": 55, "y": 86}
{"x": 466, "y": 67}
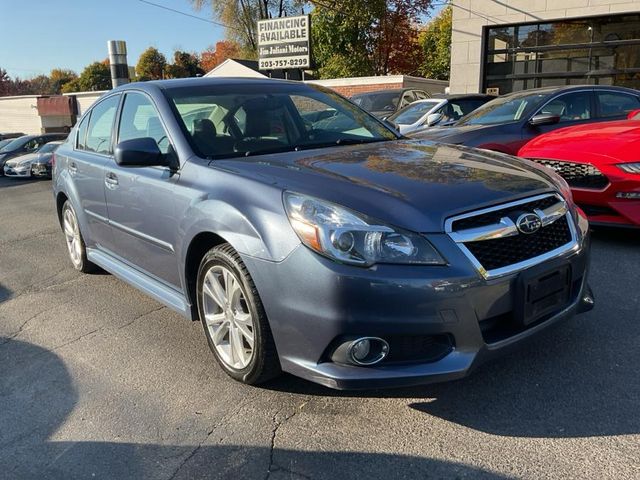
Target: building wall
{"x": 355, "y": 85}
{"x": 469, "y": 16}
{"x": 19, "y": 114}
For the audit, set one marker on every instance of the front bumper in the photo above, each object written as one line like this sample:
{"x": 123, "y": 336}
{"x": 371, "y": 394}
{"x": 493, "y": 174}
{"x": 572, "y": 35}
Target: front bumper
{"x": 17, "y": 172}
{"x": 311, "y": 302}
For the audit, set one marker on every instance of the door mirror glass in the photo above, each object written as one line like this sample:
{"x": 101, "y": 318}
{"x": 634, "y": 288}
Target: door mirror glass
{"x": 434, "y": 119}
{"x": 544, "y": 119}
{"x": 140, "y": 152}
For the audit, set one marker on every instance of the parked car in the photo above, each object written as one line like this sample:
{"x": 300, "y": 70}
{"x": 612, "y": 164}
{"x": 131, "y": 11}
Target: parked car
{"x": 355, "y": 258}
{"x": 507, "y": 123}
{"x": 383, "y": 103}
{"x": 439, "y": 110}
{"x": 9, "y": 136}
{"x": 36, "y": 164}
{"x": 600, "y": 162}
{"x": 26, "y": 144}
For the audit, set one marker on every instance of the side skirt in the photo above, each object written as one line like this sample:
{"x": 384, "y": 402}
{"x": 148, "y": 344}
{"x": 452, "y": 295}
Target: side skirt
{"x": 146, "y": 284}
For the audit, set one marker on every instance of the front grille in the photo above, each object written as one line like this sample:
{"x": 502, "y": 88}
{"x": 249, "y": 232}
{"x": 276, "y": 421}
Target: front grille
{"x": 494, "y": 216}
{"x": 577, "y": 175}
{"x": 501, "y": 252}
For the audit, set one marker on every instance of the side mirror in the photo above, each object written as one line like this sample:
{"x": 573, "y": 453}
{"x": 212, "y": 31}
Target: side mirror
{"x": 433, "y": 119}
{"x": 544, "y": 119}
{"x": 139, "y": 152}
{"x": 634, "y": 114}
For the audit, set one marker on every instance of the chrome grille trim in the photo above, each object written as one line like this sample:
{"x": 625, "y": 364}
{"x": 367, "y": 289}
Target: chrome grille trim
{"x": 506, "y": 228}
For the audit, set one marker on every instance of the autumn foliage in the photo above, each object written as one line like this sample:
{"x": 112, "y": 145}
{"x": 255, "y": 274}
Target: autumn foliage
{"x": 214, "y": 56}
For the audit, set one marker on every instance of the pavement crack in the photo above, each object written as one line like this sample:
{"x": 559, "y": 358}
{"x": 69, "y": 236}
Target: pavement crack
{"x": 273, "y": 467}
{"x": 23, "y": 326}
{"x": 58, "y": 347}
{"x": 210, "y": 432}
{"x": 138, "y": 317}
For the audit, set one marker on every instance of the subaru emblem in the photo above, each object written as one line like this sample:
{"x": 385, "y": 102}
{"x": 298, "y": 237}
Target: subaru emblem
{"x": 528, "y": 223}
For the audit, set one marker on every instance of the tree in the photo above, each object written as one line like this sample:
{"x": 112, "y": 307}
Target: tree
{"x": 95, "y": 76}
{"x": 240, "y": 17}
{"x": 184, "y": 65}
{"x": 214, "y": 56}
{"x": 151, "y": 65}
{"x": 60, "y": 77}
{"x": 5, "y": 83}
{"x": 435, "y": 41}
{"x": 376, "y": 37}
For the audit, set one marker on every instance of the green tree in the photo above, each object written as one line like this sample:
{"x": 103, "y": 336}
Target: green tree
{"x": 59, "y": 77}
{"x": 435, "y": 41}
{"x": 358, "y": 38}
{"x": 151, "y": 65}
{"x": 184, "y": 65}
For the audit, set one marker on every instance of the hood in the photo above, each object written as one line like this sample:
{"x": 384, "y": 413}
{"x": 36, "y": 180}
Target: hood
{"x": 449, "y": 133}
{"x": 617, "y": 141}
{"x": 410, "y": 184}
{"x": 23, "y": 159}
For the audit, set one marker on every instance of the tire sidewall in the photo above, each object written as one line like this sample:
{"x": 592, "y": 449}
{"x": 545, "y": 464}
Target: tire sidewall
{"x": 218, "y": 257}
{"x": 83, "y": 252}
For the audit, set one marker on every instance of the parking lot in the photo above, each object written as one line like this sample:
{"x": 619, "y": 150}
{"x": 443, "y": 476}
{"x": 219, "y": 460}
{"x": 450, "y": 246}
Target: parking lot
{"x": 97, "y": 380}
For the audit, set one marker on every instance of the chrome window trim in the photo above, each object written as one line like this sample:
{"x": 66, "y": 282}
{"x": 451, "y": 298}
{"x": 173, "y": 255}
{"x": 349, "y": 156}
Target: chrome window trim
{"x": 551, "y": 212}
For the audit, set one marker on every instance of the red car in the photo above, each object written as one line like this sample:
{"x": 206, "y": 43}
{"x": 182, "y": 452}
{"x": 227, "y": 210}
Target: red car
{"x": 601, "y": 164}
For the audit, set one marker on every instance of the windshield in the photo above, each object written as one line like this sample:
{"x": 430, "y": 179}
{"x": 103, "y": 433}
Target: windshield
{"x": 3, "y": 143}
{"x": 242, "y": 120}
{"x": 375, "y": 102}
{"x": 49, "y": 147}
{"x": 414, "y": 112}
{"x": 503, "y": 110}
{"x": 14, "y": 144}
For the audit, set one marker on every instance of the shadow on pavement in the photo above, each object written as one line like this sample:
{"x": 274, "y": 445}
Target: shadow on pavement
{"x": 38, "y": 394}
{"x": 5, "y": 293}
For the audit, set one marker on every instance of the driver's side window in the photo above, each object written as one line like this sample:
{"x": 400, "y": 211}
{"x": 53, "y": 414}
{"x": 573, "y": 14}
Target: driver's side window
{"x": 140, "y": 119}
{"x": 570, "y": 107}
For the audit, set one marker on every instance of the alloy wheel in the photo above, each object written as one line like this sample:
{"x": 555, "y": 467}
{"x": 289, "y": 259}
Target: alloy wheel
{"x": 72, "y": 236}
{"x": 227, "y": 317}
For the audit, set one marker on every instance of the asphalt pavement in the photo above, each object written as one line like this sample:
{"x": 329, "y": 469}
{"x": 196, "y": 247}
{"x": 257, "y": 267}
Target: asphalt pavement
{"x": 98, "y": 381}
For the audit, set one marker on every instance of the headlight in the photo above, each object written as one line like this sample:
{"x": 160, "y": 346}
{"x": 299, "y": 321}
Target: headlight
{"x": 350, "y": 237}
{"x": 630, "y": 167}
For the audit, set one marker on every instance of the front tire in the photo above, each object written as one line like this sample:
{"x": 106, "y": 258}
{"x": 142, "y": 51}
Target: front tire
{"x": 75, "y": 242}
{"x": 234, "y": 319}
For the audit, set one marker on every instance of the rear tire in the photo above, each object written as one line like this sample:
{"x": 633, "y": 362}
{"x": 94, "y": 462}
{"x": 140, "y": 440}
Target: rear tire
{"x": 75, "y": 243}
{"x": 234, "y": 321}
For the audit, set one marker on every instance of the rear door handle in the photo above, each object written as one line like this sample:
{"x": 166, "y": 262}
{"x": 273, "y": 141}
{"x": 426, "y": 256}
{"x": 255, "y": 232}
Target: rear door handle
{"x": 111, "y": 180}
{"x": 73, "y": 168}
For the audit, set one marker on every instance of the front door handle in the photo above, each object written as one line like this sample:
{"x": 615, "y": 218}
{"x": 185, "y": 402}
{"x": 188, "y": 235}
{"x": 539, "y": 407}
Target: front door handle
{"x": 111, "y": 180}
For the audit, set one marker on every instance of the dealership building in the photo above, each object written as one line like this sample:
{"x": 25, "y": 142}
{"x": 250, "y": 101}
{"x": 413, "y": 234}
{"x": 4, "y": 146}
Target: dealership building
{"x": 502, "y": 46}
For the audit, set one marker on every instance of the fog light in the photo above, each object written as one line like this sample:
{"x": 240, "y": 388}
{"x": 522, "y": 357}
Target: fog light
{"x": 368, "y": 350}
{"x": 628, "y": 195}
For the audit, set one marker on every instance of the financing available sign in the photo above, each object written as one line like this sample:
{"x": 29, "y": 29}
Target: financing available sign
{"x": 283, "y": 43}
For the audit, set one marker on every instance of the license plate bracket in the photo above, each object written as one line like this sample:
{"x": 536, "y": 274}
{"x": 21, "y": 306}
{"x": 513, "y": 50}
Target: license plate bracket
{"x": 540, "y": 293}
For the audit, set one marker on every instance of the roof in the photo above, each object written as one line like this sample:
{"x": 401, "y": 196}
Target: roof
{"x": 203, "y": 81}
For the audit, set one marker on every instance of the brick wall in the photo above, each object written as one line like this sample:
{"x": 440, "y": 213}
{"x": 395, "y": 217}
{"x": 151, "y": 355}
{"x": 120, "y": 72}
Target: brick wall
{"x": 349, "y": 90}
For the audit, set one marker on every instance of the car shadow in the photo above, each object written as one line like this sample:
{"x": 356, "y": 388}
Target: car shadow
{"x": 13, "y": 181}
{"x": 38, "y": 394}
{"x": 622, "y": 236}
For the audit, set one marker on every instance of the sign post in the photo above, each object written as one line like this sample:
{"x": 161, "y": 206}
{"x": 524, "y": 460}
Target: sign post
{"x": 283, "y": 43}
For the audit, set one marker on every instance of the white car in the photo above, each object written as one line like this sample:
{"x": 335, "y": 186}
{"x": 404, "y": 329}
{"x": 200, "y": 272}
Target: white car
{"x": 442, "y": 110}
{"x": 21, "y": 166}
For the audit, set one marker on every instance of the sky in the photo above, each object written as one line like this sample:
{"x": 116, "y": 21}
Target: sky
{"x": 38, "y": 35}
